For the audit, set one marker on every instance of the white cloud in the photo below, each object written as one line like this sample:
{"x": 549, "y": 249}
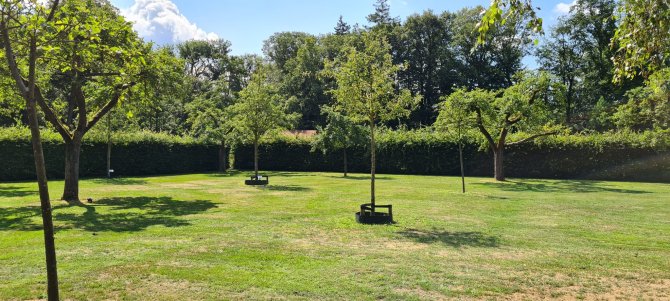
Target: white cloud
{"x": 160, "y": 21}
{"x": 563, "y": 8}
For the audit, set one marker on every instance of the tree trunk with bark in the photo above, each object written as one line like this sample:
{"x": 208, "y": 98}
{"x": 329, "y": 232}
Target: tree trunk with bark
{"x": 72, "y": 152}
{"x": 109, "y": 158}
{"x": 27, "y": 89}
{"x": 372, "y": 165}
{"x": 45, "y": 204}
{"x": 460, "y": 156}
{"x": 109, "y": 147}
{"x": 499, "y": 168}
{"x": 256, "y": 157}
{"x": 222, "y": 157}
{"x": 345, "y": 161}
{"x": 568, "y": 103}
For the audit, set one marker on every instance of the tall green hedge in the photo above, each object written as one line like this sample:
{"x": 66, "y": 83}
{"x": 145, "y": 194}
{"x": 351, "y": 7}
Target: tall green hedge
{"x": 132, "y": 155}
{"x": 611, "y": 156}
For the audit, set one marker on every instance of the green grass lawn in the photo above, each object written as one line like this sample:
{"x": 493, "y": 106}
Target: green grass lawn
{"x": 208, "y": 236}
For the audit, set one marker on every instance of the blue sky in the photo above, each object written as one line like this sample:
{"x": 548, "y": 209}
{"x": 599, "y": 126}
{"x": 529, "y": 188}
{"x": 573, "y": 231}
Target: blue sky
{"x": 247, "y": 23}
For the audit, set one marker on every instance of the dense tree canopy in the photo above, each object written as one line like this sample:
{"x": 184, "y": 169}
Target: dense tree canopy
{"x": 169, "y": 89}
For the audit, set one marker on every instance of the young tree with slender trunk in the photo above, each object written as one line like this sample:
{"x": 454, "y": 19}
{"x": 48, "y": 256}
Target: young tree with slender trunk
{"x": 20, "y": 26}
{"x": 455, "y": 118}
{"x": 259, "y": 110}
{"x": 367, "y": 90}
{"x": 339, "y": 134}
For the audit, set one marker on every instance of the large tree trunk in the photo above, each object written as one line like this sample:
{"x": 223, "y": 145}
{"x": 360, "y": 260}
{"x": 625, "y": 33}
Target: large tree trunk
{"x": 345, "y": 161}
{"x": 47, "y": 218}
{"x": 72, "y": 152}
{"x": 256, "y": 158}
{"x": 460, "y": 156}
{"x": 372, "y": 165}
{"x": 222, "y": 157}
{"x": 499, "y": 171}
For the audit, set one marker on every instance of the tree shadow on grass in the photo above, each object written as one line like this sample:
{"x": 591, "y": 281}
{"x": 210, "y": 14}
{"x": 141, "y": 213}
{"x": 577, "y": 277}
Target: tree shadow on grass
{"x": 230, "y": 173}
{"x": 451, "y": 239}
{"x": 15, "y": 191}
{"x": 361, "y": 177}
{"x": 283, "y": 174}
{"x": 557, "y": 186}
{"x": 287, "y": 188}
{"x": 119, "y": 181}
{"x": 21, "y": 218}
{"x": 130, "y": 214}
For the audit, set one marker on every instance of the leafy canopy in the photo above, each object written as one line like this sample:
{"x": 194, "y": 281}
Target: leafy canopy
{"x": 366, "y": 83}
{"x": 339, "y": 133}
{"x": 260, "y": 108}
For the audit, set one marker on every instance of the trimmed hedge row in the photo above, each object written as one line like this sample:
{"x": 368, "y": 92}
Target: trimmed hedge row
{"x": 555, "y": 158}
{"x": 628, "y": 157}
{"x": 136, "y": 154}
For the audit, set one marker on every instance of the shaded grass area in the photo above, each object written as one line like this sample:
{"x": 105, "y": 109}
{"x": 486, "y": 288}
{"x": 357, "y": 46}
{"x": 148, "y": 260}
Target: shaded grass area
{"x": 208, "y": 237}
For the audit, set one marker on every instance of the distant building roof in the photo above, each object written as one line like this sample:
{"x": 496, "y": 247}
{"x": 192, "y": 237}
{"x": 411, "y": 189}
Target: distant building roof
{"x": 300, "y": 133}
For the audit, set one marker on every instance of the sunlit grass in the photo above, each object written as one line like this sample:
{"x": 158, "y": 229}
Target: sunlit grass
{"x": 208, "y": 236}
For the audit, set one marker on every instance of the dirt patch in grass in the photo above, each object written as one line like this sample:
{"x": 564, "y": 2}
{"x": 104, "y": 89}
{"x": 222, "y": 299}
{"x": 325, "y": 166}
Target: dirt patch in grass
{"x": 420, "y": 293}
{"x": 155, "y": 285}
{"x": 188, "y": 185}
{"x": 399, "y": 245}
{"x": 608, "y": 288}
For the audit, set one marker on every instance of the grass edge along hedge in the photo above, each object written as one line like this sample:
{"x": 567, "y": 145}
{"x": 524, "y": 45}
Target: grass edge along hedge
{"x": 610, "y": 156}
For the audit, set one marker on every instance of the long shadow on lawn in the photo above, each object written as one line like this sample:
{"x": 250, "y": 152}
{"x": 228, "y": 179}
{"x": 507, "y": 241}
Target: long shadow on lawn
{"x": 119, "y": 181}
{"x": 119, "y": 215}
{"x": 282, "y": 174}
{"x": 557, "y": 186}
{"x": 451, "y": 239}
{"x": 286, "y": 188}
{"x": 15, "y": 191}
{"x": 230, "y": 173}
{"x": 365, "y": 177}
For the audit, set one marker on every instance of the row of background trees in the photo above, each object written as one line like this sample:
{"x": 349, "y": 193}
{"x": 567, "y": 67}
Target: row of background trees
{"x": 439, "y": 54}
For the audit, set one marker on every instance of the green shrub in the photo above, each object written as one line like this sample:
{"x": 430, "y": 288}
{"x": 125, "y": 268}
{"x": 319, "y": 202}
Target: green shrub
{"x": 609, "y": 156}
{"x": 133, "y": 154}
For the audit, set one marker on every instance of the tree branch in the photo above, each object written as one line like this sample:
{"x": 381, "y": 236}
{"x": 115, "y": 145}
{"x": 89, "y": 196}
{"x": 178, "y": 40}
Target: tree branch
{"x": 532, "y": 96}
{"x": 11, "y": 61}
{"x": 480, "y": 125}
{"x": 109, "y": 105}
{"x": 514, "y": 121}
{"x": 51, "y": 116}
{"x": 54, "y": 6}
{"x": 502, "y": 137}
{"x": 80, "y": 100}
